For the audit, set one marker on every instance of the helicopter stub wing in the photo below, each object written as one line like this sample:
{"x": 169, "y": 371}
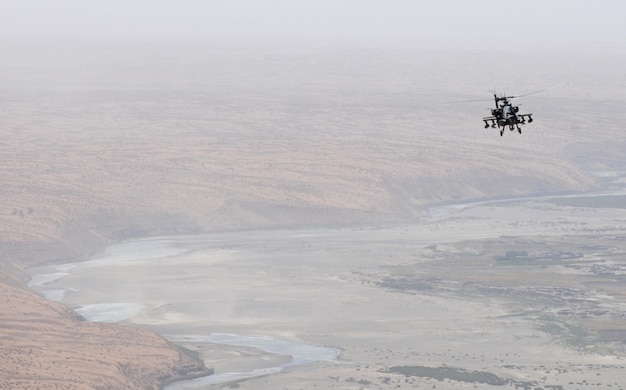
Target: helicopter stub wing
{"x": 523, "y": 118}
{"x": 491, "y": 121}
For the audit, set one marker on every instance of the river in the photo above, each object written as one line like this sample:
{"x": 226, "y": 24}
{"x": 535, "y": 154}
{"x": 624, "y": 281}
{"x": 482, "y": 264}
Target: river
{"x": 289, "y": 298}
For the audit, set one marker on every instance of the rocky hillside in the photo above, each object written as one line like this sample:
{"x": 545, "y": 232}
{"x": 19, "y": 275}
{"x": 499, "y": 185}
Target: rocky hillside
{"x": 45, "y": 345}
{"x": 89, "y": 168}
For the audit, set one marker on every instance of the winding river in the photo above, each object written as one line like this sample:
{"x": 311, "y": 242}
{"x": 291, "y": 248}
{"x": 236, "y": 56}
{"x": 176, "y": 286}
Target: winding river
{"x": 248, "y": 288}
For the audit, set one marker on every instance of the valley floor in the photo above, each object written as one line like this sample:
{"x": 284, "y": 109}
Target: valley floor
{"x": 521, "y": 293}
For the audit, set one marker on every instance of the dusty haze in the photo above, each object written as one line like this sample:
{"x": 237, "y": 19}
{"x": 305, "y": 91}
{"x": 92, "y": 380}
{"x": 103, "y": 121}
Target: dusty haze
{"x": 451, "y": 24}
{"x": 331, "y": 121}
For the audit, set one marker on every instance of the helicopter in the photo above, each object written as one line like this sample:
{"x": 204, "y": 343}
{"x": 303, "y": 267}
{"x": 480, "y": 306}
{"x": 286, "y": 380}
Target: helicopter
{"x": 506, "y": 114}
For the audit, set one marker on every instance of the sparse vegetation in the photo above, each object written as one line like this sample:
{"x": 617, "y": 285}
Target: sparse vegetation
{"x": 514, "y": 257}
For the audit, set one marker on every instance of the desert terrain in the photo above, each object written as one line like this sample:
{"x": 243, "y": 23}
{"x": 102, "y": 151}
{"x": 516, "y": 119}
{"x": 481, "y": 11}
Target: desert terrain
{"x": 106, "y": 144}
{"x": 522, "y": 294}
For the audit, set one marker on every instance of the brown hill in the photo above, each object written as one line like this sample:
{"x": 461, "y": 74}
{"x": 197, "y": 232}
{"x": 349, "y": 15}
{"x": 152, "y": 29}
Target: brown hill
{"x": 87, "y": 168}
{"x": 44, "y": 345}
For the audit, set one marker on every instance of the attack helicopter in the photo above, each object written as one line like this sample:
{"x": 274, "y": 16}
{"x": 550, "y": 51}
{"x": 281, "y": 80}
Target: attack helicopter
{"x": 506, "y": 114}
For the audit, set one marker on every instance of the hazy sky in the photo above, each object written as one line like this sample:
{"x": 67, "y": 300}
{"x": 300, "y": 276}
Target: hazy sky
{"x": 473, "y": 24}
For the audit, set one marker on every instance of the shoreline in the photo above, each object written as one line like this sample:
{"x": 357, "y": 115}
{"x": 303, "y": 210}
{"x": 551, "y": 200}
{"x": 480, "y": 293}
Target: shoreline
{"x": 241, "y": 358}
{"x": 164, "y": 384}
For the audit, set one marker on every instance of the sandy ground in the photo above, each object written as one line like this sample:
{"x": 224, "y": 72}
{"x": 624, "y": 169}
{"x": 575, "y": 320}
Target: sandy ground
{"x": 340, "y": 288}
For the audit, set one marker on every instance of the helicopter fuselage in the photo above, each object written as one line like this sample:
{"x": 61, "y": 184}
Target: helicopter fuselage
{"x": 505, "y": 114}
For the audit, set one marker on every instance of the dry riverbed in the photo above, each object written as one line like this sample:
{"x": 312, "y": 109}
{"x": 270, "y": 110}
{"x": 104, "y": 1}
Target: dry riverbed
{"x": 518, "y": 294}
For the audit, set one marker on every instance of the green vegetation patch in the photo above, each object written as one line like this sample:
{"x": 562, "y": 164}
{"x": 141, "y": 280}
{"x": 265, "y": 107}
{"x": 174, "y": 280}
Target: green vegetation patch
{"x": 406, "y": 284}
{"x": 461, "y": 375}
{"x": 522, "y": 257}
{"x": 604, "y": 202}
{"x": 451, "y": 373}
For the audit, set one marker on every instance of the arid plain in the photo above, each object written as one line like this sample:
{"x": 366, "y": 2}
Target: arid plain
{"x": 113, "y": 143}
{"x": 524, "y": 294}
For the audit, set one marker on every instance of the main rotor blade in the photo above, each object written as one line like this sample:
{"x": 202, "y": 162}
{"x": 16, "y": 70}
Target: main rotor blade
{"x": 508, "y": 97}
{"x": 540, "y": 91}
{"x": 469, "y": 101}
